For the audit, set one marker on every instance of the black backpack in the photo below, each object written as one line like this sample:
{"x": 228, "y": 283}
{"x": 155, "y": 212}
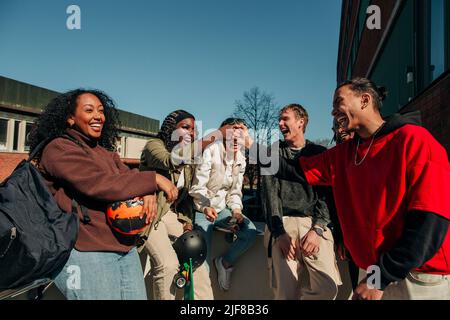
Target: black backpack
{"x": 36, "y": 236}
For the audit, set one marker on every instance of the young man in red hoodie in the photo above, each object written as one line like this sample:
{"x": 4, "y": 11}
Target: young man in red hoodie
{"x": 391, "y": 184}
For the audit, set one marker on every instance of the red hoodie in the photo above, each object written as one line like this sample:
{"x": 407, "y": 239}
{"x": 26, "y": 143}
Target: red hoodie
{"x": 404, "y": 170}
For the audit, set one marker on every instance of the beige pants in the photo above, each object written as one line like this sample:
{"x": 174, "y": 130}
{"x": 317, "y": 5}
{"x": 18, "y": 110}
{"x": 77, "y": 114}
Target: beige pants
{"x": 164, "y": 261}
{"x": 419, "y": 286}
{"x": 202, "y": 284}
{"x": 306, "y": 278}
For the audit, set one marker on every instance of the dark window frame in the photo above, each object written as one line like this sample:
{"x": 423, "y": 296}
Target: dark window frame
{"x": 362, "y": 18}
{"x": 16, "y": 135}
{"x": 6, "y": 133}
{"x": 422, "y": 15}
{"x": 26, "y": 145}
{"x": 348, "y": 40}
{"x": 447, "y": 34}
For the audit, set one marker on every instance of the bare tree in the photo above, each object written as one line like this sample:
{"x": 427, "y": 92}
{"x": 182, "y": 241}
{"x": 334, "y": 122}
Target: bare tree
{"x": 260, "y": 112}
{"x": 323, "y": 142}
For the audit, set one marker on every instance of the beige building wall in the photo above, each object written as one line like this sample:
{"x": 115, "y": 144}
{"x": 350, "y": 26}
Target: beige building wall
{"x": 133, "y": 147}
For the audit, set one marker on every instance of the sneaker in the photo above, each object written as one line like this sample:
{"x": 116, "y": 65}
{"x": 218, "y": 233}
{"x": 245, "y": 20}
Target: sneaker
{"x": 223, "y": 275}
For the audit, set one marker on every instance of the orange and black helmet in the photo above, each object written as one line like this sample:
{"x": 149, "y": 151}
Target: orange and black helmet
{"x": 124, "y": 216}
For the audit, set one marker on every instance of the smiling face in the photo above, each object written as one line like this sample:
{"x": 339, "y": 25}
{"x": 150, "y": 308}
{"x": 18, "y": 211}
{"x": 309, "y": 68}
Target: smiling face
{"x": 291, "y": 126}
{"x": 185, "y": 130}
{"x": 340, "y": 132}
{"x": 347, "y": 108}
{"x": 233, "y": 139}
{"x": 89, "y": 116}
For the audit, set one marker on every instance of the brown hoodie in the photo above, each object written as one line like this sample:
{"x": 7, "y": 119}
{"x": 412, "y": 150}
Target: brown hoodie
{"x": 94, "y": 177}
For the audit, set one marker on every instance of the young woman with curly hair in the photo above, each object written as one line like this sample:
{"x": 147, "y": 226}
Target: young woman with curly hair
{"x": 80, "y": 163}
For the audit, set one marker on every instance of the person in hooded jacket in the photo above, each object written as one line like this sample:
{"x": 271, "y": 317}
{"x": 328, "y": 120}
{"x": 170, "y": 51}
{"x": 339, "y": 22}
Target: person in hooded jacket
{"x": 391, "y": 184}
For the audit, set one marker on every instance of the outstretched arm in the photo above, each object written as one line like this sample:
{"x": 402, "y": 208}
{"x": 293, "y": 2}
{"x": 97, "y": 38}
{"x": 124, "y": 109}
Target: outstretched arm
{"x": 278, "y": 166}
{"x": 199, "y": 190}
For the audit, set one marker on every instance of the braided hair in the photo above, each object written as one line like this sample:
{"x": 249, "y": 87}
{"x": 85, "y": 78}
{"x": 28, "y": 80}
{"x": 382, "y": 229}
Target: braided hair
{"x": 169, "y": 125}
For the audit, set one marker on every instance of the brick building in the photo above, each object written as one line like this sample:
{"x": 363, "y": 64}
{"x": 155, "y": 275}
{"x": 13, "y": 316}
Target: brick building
{"x": 21, "y": 103}
{"x": 409, "y": 54}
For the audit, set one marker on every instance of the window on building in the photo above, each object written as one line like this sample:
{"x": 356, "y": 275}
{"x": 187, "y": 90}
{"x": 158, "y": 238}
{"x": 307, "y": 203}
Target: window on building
{"x": 28, "y": 127}
{"x": 396, "y": 60}
{"x": 16, "y": 135}
{"x": 119, "y": 146}
{"x": 360, "y": 25}
{"x": 347, "y": 35}
{"x": 447, "y": 31}
{"x": 433, "y": 40}
{"x": 3, "y": 133}
{"x": 437, "y": 39}
{"x": 349, "y": 71}
{"x": 362, "y": 17}
{"x": 355, "y": 46}
{"x": 352, "y": 43}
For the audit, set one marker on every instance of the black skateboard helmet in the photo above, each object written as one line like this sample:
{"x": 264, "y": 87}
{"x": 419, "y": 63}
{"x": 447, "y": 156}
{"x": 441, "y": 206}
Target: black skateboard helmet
{"x": 192, "y": 245}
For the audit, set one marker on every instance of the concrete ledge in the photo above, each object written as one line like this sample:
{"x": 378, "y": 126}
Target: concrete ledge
{"x": 250, "y": 279}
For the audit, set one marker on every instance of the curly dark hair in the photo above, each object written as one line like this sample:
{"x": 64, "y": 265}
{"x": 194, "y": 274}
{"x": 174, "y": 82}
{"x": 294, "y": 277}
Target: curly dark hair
{"x": 52, "y": 123}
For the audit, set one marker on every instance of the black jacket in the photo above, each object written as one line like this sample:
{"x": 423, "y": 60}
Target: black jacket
{"x": 294, "y": 198}
{"x": 423, "y": 233}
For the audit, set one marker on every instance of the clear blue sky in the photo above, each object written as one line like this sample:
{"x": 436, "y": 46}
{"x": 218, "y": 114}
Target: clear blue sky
{"x": 155, "y": 56}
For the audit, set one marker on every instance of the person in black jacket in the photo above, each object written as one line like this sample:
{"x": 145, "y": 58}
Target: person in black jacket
{"x": 395, "y": 212}
{"x": 297, "y": 217}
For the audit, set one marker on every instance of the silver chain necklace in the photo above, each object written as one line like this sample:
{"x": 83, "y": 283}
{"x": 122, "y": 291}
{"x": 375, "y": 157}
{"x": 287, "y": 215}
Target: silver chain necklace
{"x": 370, "y": 145}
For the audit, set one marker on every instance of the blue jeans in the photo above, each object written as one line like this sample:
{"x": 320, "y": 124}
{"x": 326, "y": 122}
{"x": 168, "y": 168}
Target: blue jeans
{"x": 246, "y": 235}
{"x": 102, "y": 276}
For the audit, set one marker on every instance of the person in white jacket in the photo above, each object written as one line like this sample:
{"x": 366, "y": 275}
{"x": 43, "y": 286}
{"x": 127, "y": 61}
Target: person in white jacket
{"x": 217, "y": 194}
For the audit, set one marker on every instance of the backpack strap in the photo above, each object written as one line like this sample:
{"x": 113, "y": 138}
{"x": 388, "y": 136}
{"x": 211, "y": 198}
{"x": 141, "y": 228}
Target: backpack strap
{"x": 84, "y": 211}
{"x": 86, "y": 218}
{"x": 41, "y": 145}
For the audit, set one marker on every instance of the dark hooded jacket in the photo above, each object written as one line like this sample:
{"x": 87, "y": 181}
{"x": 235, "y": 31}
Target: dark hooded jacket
{"x": 294, "y": 198}
{"x": 423, "y": 234}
